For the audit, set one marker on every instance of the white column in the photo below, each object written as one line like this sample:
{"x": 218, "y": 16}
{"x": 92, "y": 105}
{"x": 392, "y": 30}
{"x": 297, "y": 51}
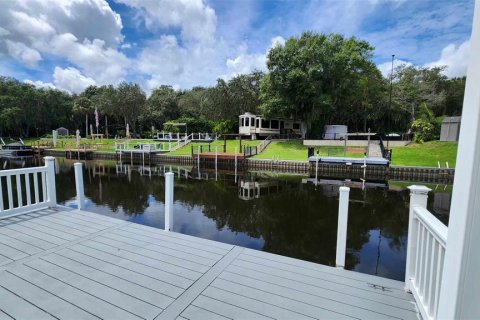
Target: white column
{"x": 51, "y": 189}
{"x": 461, "y": 276}
{"x": 79, "y": 185}
{"x": 169, "y": 201}
{"x": 418, "y": 198}
{"x": 342, "y": 226}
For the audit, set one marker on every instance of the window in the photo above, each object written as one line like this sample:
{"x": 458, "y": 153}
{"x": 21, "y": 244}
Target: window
{"x": 258, "y": 123}
{"x": 252, "y": 122}
{"x": 296, "y": 126}
{"x": 265, "y": 124}
{"x": 274, "y": 124}
{"x": 242, "y": 121}
{"x": 247, "y": 122}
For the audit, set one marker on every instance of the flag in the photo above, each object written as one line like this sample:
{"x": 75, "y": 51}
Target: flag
{"x": 96, "y": 117}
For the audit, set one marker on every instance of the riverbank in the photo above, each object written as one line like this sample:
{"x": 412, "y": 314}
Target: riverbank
{"x": 427, "y": 154}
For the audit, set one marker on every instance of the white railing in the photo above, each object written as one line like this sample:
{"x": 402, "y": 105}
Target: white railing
{"x": 28, "y": 189}
{"x": 427, "y": 238}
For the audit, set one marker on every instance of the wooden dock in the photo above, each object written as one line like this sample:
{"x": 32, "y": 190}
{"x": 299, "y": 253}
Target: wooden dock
{"x": 71, "y": 264}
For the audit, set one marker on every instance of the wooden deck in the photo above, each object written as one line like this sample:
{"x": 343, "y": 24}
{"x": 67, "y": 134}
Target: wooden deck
{"x": 70, "y": 264}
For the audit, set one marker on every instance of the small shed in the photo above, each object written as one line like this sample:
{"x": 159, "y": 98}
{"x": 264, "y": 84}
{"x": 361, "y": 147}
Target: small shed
{"x": 450, "y": 129}
{"x": 62, "y": 131}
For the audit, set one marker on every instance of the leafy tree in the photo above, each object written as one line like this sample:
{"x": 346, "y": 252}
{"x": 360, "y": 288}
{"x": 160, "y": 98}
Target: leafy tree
{"x": 162, "y": 106}
{"x": 314, "y": 75}
{"x": 131, "y": 103}
{"x": 414, "y": 86}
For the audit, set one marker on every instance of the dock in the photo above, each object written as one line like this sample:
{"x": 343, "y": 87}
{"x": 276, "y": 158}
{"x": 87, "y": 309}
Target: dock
{"x": 72, "y": 264}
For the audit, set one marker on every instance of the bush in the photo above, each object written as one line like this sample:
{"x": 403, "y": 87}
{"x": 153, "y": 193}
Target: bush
{"x": 225, "y": 126}
{"x": 423, "y": 130}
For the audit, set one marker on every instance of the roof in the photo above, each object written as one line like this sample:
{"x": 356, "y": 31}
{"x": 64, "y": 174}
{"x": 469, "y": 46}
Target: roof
{"x": 452, "y": 120}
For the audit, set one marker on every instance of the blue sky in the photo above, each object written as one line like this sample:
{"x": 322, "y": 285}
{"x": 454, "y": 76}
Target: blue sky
{"x": 184, "y": 43}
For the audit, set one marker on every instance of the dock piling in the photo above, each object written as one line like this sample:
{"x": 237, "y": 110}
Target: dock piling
{"x": 342, "y": 226}
{"x": 50, "y": 177}
{"x": 79, "y": 185}
{"x": 169, "y": 201}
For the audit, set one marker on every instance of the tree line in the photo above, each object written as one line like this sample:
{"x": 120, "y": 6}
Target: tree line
{"x": 318, "y": 78}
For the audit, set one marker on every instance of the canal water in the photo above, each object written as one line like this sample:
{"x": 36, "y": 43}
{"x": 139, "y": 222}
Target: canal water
{"x": 288, "y": 215}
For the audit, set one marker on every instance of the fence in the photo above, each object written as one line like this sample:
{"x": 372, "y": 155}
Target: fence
{"x": 427, "y": 238}
{"x": 28, "y": 189}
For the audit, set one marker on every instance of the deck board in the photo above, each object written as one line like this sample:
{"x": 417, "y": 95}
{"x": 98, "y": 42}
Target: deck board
{"x": 63, "y": 263}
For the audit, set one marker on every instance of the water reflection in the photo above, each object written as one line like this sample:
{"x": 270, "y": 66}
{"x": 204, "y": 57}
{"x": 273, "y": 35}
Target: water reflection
{"x": 284, "y": 214}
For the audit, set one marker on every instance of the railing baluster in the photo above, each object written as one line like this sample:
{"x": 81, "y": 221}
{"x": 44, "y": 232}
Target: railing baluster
{"x": 417, "y": 253}
{"x": 422, "y": 260}
{"x": 1, "y": 193}
{"x": 19, "y": 191}
{"x": 426, "y": 264}
{"x": 441, "y": 256}
{"x": 9, "y": 191}
{"x": 431, "y": 280}
{"x": 35, "y": 187}
{"x": 27, "y": 188}
{"x": 44, "y": 187}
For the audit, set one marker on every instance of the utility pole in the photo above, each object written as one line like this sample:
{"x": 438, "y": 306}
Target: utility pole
{"x": 390, "y": 103}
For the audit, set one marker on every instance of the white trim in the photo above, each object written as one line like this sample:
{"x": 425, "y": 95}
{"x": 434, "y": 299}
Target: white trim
{"x": 461, "y": 276}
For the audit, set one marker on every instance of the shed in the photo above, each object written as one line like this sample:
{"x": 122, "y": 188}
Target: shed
{"x": 450, "y": 129}
{"x": 62, "y": 131}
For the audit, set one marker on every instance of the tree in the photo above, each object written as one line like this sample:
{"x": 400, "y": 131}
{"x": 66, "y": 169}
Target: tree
{"x": 414, "y": 86}
{"x": 131, "y": 103}
{"x": 83, "y": 106}
{"x": 314, "y": 75}
{"x": 162, "y": 106}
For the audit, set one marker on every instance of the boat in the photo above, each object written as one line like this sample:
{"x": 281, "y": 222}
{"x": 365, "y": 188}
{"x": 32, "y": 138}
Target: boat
{"x": 16, "y": 149}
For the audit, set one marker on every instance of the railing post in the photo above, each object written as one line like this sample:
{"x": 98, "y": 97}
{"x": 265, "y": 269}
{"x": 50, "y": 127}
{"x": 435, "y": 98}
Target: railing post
{"x": 51, "y": 189}
{"x": 418, "y": 198}
{"x": 169, "y": 201}
{"x": 342, "y": 226}
{"x": 79, "y": 185}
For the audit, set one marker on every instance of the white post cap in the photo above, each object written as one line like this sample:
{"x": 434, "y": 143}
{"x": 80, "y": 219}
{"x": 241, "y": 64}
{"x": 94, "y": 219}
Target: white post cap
{"x": 417, "y": 189}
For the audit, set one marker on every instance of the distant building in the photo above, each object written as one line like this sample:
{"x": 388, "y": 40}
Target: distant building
{"x": 62, "y": 131}
{"x": 450, "y": 129}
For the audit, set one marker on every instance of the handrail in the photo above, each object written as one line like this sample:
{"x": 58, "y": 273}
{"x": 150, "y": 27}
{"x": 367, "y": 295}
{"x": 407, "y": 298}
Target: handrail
{"x": 28, "y": 189}
{"x": 10, "y": 172}
{"x": 435, "y": 226}
{"x": 427, "y": 239}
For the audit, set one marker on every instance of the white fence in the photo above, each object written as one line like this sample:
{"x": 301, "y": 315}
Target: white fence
{"x": 427, "y": 238}
{"x": 27, "y": 189}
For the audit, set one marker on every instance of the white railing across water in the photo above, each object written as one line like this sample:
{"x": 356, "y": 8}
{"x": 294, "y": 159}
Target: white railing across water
{"x": 427, "y": 238}
{"x": 27, "y": 189}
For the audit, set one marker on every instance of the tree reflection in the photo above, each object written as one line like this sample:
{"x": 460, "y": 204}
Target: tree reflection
{"x": 294, "y": 219}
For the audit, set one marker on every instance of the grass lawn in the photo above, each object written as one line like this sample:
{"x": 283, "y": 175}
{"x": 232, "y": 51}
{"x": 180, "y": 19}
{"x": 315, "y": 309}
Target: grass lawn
{"x": 426, "y": 154}
{"x": 105, "y": 145}
{"x": 231, "y": 145}
{"x": 295, "y": 150}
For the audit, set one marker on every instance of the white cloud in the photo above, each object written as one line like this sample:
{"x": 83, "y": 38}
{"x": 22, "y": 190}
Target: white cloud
{"x": 71, "y": 80}
{"x": 165, "y": 61}
{"x": 454, "y": 58}
{"x": 196, "y": 20}
{"x": 386, "y": 67}
{"x": 247, "y": 62}
{"x": 41, "y": 84}
{"x": 21, "y": 52}
{"x": 85, "y": 33}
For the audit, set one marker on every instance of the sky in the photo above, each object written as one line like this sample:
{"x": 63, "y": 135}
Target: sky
{"x": 70, "y": 45}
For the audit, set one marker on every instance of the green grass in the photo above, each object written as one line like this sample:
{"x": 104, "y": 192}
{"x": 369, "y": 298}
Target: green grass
{"x": 425, "y": 154}
{"x": 231, "y": 145}
{"x": 105, "y": 145}
{"x": 295, "y": 150}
